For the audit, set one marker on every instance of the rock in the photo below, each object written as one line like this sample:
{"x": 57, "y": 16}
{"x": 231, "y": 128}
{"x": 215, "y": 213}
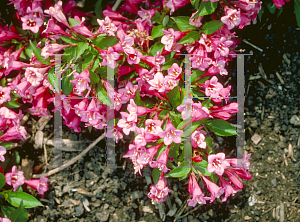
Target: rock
{"x": 256, "y": 138}
{"x": 195, "y": 220}
{"x": 274, "y": 183}
{"x": 178, "y": 201}
{"x": 79, "y": 210}
{"x": 103, "y": 216}
{"x": 136, "y": 195}
{"x": 172, "y": 211}
{"x": 282, "y": 144}
{"x": 247, "y": 218}
{"x": 67, "y": 188}
{"x": 105, "y": 206}
{"x": 295, "y": 120}
{"x": 147, "y": 209}
{"x": 210, "y": 212}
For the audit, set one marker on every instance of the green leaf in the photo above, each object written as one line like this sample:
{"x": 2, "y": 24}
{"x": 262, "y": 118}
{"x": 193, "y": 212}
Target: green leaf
{"x": 5, "y": 144}
{"x": 70, "y": 53}
{"x": 279, "y": 11}
{"x": 156, "y": 17}
{"x": 19, "y": 215}
{"x": 260, "y": 13}
{"x": 3, "y": 82}
{"x": 37, "y": 52}
{"x": 162, "y": 114}
{"x": 12, "y": 104}
{"x": 271, "y": 6}
{"x": 175, "y": 118}
{"x": 104, "y": 42}
{"x": 206, "y": 8}
{"x": 68, "y": 40}
{"x": 87, "y": 61}
{"x": 98, "y": 8}
{"x": 94, "y": 77}
{"x": 73, "y": 22}
{"x": 6, "y": 210}
{"x": 183, "y": 23}
{"x": 214, "y": 178}
{"x": 203, "y": 79}
{"x": 157, "y": 31}
{"x": 155, "y": 175}
{"x": 197, "y": 95}
{"x": 29, "y": 51}
{"x": 195, "y": 3}
{"x": 188, "y": 130}
{"x": 183, "y": 123}
{"x": 95, "y": 64}
{"x": 190, "y": 37}
{"x": 196, "y": 74}
{"x": 297, "y": 11}
{"x": 169, "y": 63}
{"x": 212, "y": 26}
{"x": 208, "y": 141}
{"x": 81, "y": 47}
{"x": 2, "y": 180}
{"x": 202, "y": 167}
{"x": 166, "y": 20}
{"x": 158, "y": 46}
{"x": 67, "y": 86}
{"x": 221, "y": 127}
{"x": 179, "y": 171}
{"x": 102, "y": 95}
{"x": 137, "y": 98}
{"x": 174, "y": 149}
{"x": 207, "y": 103}
{"x": 174, "y": 97}
{"x": 15, "y": 198}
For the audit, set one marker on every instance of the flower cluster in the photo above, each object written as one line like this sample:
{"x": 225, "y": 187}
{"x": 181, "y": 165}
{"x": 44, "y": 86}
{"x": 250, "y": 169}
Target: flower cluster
{"x": 149, "y": 102}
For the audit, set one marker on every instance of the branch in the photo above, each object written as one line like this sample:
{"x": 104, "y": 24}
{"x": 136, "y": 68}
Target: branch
{"x": 72, "y": 161}
{"x": 116, "y": 5}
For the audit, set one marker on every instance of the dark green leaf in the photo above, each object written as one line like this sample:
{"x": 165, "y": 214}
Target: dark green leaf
{"x": 183, "y": 23}
{"x": 166, "y": 20}
{"x": 260, "y": 13}
{"x": 190, "y": 37}
{"x": 137, "y": 98}
{"x": 195, "y": 3}
{"x": 183, "y": 123}
{"x": 207, "y": 103}
{"x": 206, "y": 8}
{"x": 174, "y": 97}
{"x": 196, "y": 74}
{"x": 104, "y": 42}
{"x": 169, "y": 63}
{"x": 81, "y": 47}
{"x": 98, "y": 8}
{"x": 162, "y": 114}
{"x": 70, "y": 53}
{"x": 221, "y": 127}
{"x": 67, "y": 86}
{"x": 175, "y": 118}
{"x": 37, "y": 52}
{"x": 94, "y": 77}
{"x": 15, "y": 198}
{"x": 297, "y": 11}
{"x": 155, "y": 175}
{"x": 6, "y": 210}
{"x": 2, "y": 180}
{"x": 158, "y": 46}
{"x": 95, "y": 64}
{"x": 156, "y": 17}
{"x": 102, "y": 95}
{"x": 157, "y": 31}
{"x": 87, "y": 61}
{"x": 212, "y": 26}
{"x": 19, "y": 215}
{"x": 197, "y": 94}
{"x": 214, "y": 178}
{"x": 174, "y": 149}
{"x": 188, "y": 130}
{"x": 271, "y": 6}
{"x": 68, "y": 40}
{"x": 5, "y": 144}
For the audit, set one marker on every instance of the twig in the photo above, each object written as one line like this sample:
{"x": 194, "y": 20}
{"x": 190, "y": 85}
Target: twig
{"x": 196, "y": 208}
{"x": 72, "y": 161}
{"x": 267, "y": 211}
{"x": 254, "y": 46}
{"x": 279, "y": 77}
{"x": 116, "y": 5}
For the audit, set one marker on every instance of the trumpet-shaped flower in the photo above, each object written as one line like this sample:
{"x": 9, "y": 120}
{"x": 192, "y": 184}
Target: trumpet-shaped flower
{"x": 15, "y": 178}
{"x": 196, "y": 192}
{"x": 217, "y": 163}
{"x": 2, "y": 152}
{"x": 39, "y": 185}
{"x": 171, "y": 134}
{"x": 159, "y": 192}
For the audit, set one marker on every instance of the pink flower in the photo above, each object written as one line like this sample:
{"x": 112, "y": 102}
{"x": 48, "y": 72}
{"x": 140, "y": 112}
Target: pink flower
{"x": 169, "y": 83}
{"x": 195, "y": 21}
{"x": 39, "y": 185}
{"x": 57, "y": 13}
{"x": 112, "y": 14}
{"x": 34, "y": 75}
{"x": 153, "y": 126}
{"x": 81, "y": 81}
{"x": 168, "y": 39}
{"x": 134, "y": 57}
{"x": 221, "y": 47}
{"x": 223, "y": 112}
{"x": 206, "y": 41}
{"x": 159, "y": 191}
{"x": 171, "y": 134}
{"x": 81, "y": 28}
{"x": 53, "y": 30}
{"x": 175, "y": 71}
{"x": 279, "y": 3}
{"x": 140, "y": 140}
{"x": 14, "y": 133}
{"x": 228, "y": 189}
{"x": 4, "y": 219}
{"x": 2, "y": 152}
{"x": 106, "y": 26}
{"x": 232, "y": 18}
{"x": 51, "y": 49}
{"x": 161, "y": 161}
{"x": 4, "y": 94}
{"x": 157, "y": 83}
{"x": 15, "y": 178}
{"x": 214, "y": 189}
{"x": 212, "y": 87}
{"x": 40, "y": 108}
{"x": 128, "y": 92}
{"x": 234, "y": 179}
{"x": 194, "y": 189}
{"x": 126, "y": 125}
{"x": 109, "y": 57}
{"x": 135, "y": 111}
{"x": 91, "y": 114}
{"x": 30, "y": 22}
{"x": 71, "y": 120}
{"x": 217, "y": 163}
{"x": 198, "y": 139}
{"x": 147, "y": 15}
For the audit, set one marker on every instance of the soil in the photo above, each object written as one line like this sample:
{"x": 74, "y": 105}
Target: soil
{"x": 88, "y": 192}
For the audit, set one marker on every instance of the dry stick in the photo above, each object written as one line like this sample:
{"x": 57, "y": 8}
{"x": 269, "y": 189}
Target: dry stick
{"x": 116, "y": 5}
{"x": 188, "y": 212}
{"x": 72, "y": 161}
{"x": 254, "y": 46}
{"x": 267, "y": 211}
